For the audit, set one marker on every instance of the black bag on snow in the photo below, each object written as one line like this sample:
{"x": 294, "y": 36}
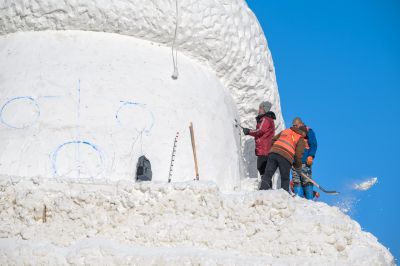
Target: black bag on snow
{"x": 143, "y": 169}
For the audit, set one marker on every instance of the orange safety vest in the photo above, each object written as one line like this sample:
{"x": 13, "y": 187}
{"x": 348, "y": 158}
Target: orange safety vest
{"x": 287, "y": 142}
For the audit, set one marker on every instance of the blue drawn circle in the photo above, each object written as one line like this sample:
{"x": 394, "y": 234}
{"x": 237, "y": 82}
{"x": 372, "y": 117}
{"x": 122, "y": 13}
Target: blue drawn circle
{"x": 18, "y": 99}
{"x": 54, "y": 155}
{"x": 143, "y": 106}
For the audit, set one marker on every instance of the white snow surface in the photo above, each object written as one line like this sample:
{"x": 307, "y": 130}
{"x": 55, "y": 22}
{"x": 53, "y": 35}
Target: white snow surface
{"x": 366, "y": 185}
{"x": 86, "y": 105}
{"x": 225, "y": 35}
{"x": 189, "y": 223}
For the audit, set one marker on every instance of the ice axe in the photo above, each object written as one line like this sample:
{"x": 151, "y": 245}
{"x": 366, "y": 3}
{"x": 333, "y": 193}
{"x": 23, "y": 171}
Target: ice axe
{"x": 238, "y": 125}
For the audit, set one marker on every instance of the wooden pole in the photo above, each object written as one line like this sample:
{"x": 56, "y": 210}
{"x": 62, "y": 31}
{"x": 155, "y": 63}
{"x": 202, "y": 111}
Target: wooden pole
{"x": 196, "y": 168}
{"x": 44, "y": 215}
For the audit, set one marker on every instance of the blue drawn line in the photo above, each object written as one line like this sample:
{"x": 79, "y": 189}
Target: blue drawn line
{"x": 15, "y": 99}
{"x": 141, "y": 105}
{"x": 54, "y": 155}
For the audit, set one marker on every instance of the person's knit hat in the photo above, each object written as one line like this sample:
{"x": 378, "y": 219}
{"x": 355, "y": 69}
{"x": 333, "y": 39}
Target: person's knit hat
{"x": 266, "y": 106}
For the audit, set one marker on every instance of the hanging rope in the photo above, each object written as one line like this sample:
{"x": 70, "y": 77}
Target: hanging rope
{"x": 175, "y": 74}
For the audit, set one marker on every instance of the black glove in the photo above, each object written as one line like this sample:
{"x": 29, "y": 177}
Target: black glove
{"x": 246, "y": 131}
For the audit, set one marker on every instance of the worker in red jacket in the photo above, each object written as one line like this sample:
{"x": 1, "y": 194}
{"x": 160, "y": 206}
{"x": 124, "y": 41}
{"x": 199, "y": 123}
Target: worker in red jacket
{"x": 263, "y": 134}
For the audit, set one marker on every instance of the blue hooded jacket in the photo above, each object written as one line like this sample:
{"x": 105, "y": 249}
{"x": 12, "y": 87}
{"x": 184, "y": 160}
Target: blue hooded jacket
{"x": 312, "y": 142}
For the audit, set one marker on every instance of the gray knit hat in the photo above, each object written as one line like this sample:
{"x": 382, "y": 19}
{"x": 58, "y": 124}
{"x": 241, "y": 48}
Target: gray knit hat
{"x": 266, "y": 106}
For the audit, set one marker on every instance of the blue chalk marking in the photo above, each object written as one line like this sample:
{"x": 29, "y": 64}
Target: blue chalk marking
{"x": 54, "y": 155}
{"x": 16, "y": 99}
{"x": 141, "y": 105}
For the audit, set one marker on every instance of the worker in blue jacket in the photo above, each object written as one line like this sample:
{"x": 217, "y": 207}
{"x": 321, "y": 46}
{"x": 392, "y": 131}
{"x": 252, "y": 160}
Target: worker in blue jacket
{"x": 301, "y": 186}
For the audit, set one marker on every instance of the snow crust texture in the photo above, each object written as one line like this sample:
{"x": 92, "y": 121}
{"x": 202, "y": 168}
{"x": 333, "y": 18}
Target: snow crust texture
{"x": 223, "y": 34}
{"x": 127, "y": 223}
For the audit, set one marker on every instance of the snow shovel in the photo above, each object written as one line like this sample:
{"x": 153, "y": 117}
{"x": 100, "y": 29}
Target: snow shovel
{"x": 330, "y": 192}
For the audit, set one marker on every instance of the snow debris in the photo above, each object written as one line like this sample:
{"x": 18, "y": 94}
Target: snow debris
{"x": 146, "y": 223}
{"x": 366, "y": 185}
{"x": 347, "y": 204}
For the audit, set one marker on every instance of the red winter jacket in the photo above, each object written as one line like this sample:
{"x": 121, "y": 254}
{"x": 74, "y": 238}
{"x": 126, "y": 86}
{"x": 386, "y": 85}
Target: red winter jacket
{"x": 263, "y": 134}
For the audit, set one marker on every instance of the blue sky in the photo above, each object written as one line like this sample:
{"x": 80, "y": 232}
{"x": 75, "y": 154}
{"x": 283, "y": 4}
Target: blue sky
{"x": 338, "y": 67}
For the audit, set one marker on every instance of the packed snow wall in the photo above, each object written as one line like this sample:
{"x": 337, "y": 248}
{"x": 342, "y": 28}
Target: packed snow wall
{"x": 82, "y": 97}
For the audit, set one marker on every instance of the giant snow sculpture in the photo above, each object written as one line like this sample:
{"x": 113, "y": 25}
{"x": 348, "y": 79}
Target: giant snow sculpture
{"x": 86, "y": 87}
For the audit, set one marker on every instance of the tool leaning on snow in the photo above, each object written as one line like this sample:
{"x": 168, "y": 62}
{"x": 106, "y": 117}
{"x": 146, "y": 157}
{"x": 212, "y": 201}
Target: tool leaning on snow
{"x": 196, "y": 168}
{"x": 331, "y": 192}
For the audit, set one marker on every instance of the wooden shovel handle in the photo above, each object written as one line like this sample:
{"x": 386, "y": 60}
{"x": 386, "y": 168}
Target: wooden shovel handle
{"x": 196, "y": 168}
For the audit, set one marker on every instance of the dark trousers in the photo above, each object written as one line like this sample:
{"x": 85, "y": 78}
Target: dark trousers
{"x": 276, "y": 161}
{"x": 261, "y": 164}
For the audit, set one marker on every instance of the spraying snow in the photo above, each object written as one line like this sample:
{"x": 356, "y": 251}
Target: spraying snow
{"x": 366, "y": 185}
{"x": 347, "y": 204}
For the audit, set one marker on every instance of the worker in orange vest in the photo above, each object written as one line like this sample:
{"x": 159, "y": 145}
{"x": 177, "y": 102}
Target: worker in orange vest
{"x": 287, "y": 150}
{"x": 302, "y": 186}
